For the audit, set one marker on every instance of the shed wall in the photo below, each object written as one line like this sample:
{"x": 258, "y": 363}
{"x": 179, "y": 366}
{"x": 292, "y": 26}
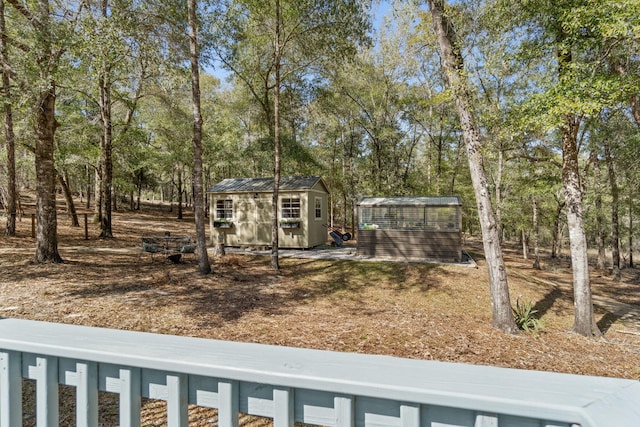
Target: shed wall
{"x": 421, "y": 244}
{"x": 252, "y": 220}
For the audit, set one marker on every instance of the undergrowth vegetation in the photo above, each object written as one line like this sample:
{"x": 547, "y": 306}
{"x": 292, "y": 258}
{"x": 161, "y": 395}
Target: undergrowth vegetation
{"x": 526, "y": 317}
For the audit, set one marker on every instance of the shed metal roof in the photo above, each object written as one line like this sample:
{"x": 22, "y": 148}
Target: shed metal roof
{"x": 411, "y": 201}
{"x": 258, "y": 185}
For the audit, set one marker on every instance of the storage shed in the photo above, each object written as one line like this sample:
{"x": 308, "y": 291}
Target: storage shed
{"x": 241, "y": 211}
{"x": 410, "y": 227}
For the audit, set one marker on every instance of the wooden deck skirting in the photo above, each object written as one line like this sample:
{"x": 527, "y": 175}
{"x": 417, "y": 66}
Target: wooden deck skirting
{"x": 290, "y": 384}
{"x": 416, "y": 244}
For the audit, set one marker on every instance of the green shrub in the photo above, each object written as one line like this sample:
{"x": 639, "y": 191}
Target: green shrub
{"x": 526, "y": 317}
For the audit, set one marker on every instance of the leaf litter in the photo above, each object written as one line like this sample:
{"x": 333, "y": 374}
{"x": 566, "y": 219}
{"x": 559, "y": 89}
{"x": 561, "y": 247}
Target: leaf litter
{"x": 412, "y": 310}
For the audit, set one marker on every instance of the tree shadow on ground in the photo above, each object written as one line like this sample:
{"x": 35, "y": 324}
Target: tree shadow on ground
{"x": 239, "y": 288}
{"x": 606, "y": 321}
{"x": 544, "y": 305}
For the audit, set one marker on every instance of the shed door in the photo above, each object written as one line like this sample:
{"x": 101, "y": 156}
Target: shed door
{"x": 264, "y": 233}
{"x": 262, "y": 211}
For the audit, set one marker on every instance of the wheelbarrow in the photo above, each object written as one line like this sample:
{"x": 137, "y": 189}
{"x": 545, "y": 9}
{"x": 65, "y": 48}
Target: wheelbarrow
{"x": 337, "y": 236}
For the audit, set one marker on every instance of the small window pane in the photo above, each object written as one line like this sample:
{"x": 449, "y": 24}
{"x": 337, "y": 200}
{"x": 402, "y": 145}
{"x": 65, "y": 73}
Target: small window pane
{"x": 224, "y": 209}
{"x": 318, "y": 208}
{"x": 291, "y": 208}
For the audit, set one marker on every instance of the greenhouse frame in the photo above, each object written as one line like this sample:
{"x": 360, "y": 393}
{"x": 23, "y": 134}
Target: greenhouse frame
{"x": 411, "y": 227}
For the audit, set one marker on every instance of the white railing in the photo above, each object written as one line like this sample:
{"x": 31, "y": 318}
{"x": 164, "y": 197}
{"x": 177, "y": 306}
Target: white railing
{"x": 289, "y": 384}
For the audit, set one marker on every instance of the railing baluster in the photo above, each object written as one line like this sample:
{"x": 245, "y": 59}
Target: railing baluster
{"x": 45, "y": 372}
{"x": 130, "y": 401}
{"x": 177, "y": 400}
{"x": 486, "y": 420}
{"x": 228, "y": 403}
{"x": 283, "y": 407}
{"x": 344, "y": 413}
{"x": 409, "y": 416}
{"x": 128, "y": 387}
{"x": 10, "y": 389}
{"x": 87, "y": 394}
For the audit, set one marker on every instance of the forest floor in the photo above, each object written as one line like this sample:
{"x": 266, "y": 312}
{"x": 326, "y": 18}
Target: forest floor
{"x": 414, "y": 310}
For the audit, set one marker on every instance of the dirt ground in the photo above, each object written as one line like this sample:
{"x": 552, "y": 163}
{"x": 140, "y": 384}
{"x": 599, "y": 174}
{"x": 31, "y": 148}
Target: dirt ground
{"x": 413, "y": 310}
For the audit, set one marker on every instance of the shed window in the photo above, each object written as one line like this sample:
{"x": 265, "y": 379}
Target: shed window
{"x": 224, "y": 209}
{"x": 409, "y": 218}
{"x": 318, "y": 208}
{"x": 291, "y": 207}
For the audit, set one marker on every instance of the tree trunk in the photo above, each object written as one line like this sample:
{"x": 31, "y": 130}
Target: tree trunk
{"x": 88, "y": 170}
{"x": 198, "y": 191}
{"x": 615, "y": 220}
{"x": 107, "y": 142}
{"x": 68, "y": 198}
{"x": 345, "y": 157}
{"x": 45, "y": 111}
{"x": 180, "y": 194}
{"x": 46, "y": 219}
{"x": 557, "y": 226}
{"x": 630, "y": 232}
{"x": 456, "y": 167}
{"x": 98, "y": 194}
{"x": 601, "y": 264}
{"x": 9, "y": 133}
{"x": 600, "y": 238}
{"x": 499, "y": 198}
{"x": 106, "y": 166}
{"x": 352, "y": 184}
{"x": 536, "y": 235}
{"x": 139, "y": 192}
{"x": 584, "y": 320}
{"x": 275, "y": 262}
{"x": 453, "y": 68}
{"x": 525, "y": 244}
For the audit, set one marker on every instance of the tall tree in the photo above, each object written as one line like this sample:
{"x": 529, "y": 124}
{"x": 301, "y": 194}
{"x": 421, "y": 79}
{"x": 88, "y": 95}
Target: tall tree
{"x": 615, "y": 204}
{"x": 584, "y": 321}
{"x": 278, "y": 45}
{"x": 268, "y": 42}
{"x": 49, "y": 44}
{"x": 106, "y": 141}
{"x": 454, "y": 71}
{"x": 117, "y": 51}
{"x": 47, "y": 229}
{"x": 198, "y": 192}
{"x": 578, "y": 38}
{"x": 9, "y": 133}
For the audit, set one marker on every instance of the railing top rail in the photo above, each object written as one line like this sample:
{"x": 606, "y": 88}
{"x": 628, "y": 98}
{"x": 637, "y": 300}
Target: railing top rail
{"x": 544, "y": 395}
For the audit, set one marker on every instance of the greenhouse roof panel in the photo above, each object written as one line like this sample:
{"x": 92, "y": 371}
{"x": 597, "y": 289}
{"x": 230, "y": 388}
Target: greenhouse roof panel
{"x": 411, "y": 201}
